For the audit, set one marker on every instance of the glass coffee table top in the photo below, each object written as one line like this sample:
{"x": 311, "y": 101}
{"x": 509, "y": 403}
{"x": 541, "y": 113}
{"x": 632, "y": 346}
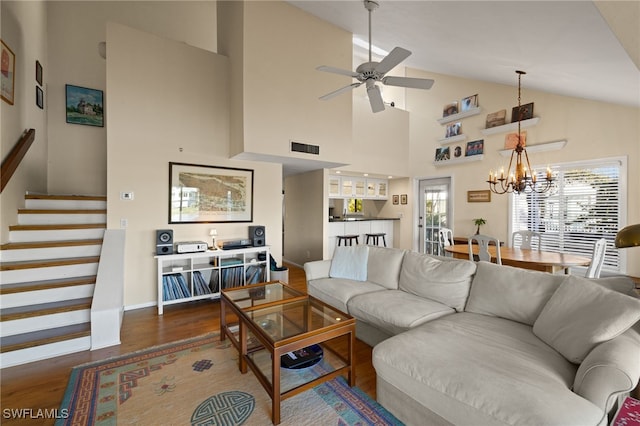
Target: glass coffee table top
{"x": 249, "y": 297}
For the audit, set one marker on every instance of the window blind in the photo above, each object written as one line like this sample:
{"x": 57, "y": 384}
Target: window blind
{"x": 584, "y": 207}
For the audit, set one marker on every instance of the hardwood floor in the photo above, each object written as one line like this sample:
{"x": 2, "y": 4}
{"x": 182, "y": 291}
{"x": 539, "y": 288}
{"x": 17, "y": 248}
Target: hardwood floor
{"x": 41, "y": 385}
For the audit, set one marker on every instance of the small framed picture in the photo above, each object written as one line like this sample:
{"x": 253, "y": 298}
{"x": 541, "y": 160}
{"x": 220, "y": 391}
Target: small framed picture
{"x": 496, "y": 119}
{"x": 443, "y": 154}
{"x": 39, "y": 97}
{"x": 482, "y": 196}
{"x": 403, "y": 199}
{"x": 474, "y": 148}
{"x": 450, "y": 109}
{"x": 469, "y": 102}
{"x": 457, "y": 151}
{"x": 396, "y": 199}
{"x": 39, "y": 73}
{"x": 524, "y": 113}
{"x": 84, "y": 106}
{"x": 511, "y": 139}
{"x": 453, "y": 129}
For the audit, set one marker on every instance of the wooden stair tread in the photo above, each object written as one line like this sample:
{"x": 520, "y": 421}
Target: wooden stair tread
{"x": 62, "y": 211}
{"x": 43, "y": 337}
{"x": 65, "y": 197}
{"x": 31, "y": 311}
{"x": 46, "y": 284}
{"x": 57, "y": 227}
{"x": 49, "y": 244}
{"x": 29, "y": 264}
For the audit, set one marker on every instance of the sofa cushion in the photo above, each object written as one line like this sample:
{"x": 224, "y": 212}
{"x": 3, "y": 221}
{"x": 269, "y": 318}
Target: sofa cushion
{"x": 337, "y": 291}
{"x": 483, "y": 370}
{"x": 383, "y": 266}
{"x": 512, "y": 293}
{"x": 582, "y": 314}
{"x": 350, "y": 262}
{"x": 445, "y": 281}
{"x": 395, "y": 311}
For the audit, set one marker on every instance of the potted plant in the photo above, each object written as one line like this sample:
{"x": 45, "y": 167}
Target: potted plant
{"x": 479, "y": 222}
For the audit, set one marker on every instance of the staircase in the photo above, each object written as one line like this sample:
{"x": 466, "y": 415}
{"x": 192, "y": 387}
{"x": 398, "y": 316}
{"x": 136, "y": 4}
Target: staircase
{"x": 47, "y": 277}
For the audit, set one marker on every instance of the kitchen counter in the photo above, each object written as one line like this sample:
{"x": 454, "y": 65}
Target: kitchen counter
{"x": 361, "y": 219}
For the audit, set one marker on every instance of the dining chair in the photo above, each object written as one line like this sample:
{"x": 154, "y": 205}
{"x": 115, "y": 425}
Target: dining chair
{"x": 597, "y": 259}
{"x": 483, "y": 247}
{"x": 526, "y": 238}
{"x": 445, "y": 238}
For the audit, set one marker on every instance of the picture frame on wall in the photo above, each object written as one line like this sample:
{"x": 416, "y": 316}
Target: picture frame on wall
{"x": 511, "y": 139}
{"x": 396, "y": 199}
{"x": 496, "y": 119}
{"x": 443, "y": 154}
{"x": 208, "y": 194}
{"x": 450, "y": 109}
{"x": 453, "y": 129}
{"x": 38, "y": 73}
{"x": 469, "y": 103}
{"x": 84, "y": 106}
{"x": 403, "y": 199}
{"x": 7, "y": 73}
{"x": 525, "y": 112}
{"x": 39, "y": 97}
{"x": 481, "y": 196}
{"x": 474, "y": 148}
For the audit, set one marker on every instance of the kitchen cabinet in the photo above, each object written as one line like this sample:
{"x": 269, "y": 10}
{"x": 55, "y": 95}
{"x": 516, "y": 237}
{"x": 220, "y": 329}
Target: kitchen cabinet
{"x": 358, "y": 187}
{"x": 335, "y": 185}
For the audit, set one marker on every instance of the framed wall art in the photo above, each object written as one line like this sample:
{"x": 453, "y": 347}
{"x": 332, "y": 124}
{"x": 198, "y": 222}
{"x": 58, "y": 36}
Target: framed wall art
{"x": 442, "y": 154}
{"x": 496, "y": 119}
{"x": 84, "y": 106}
{"x": 7, "y": 73}
{"x": 511, "y": 139}
{"x": 469, "y": 102}
{"x": 39, "y": 73}
{"x": 403, "y": 199}
{"x": 524, "y": 113}
{"x": 396, "y": 199}
{"x": 474, "y": 148}
{"x": 482, "y": 196}
{"x": 39, "y": 98}
{"x": 205, "y": 194}
{"x": 450, "y": 109}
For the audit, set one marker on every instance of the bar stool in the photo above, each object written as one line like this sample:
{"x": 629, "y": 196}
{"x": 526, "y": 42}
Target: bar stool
{"x": 375, "y": 238}
{"x": 347, "y": 238}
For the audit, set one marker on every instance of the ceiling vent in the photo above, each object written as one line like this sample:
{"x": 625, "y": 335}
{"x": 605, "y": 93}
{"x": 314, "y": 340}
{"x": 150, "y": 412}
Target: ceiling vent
{"x": 305, "y": 148}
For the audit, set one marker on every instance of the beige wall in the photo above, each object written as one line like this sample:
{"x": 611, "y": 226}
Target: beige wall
{"x": 148, "y": 129}
{"x": 593, "y": 130}
{"x": 77, "y": 154}
{"x": 24, "y": 30}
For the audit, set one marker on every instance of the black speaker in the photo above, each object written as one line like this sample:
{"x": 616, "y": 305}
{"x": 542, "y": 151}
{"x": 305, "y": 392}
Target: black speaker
{"x": 256, "y": 234}
{"x": 164, "y": 241}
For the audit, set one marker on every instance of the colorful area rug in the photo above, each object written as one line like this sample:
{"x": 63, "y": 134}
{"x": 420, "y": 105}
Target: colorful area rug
{"x": 197, "y": 382}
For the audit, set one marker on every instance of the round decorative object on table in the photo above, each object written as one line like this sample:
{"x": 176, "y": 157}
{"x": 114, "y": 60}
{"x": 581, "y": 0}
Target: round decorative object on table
{"x": 302, "y": 358}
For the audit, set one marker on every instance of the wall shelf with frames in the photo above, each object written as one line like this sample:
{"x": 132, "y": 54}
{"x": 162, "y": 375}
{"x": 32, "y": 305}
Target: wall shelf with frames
{"x": 510, "y": 127}
{"x": 195, "y": 276}
{"x": 455, "y": 161}
{"x": 452, "y": 139}
{"x": 453, "y": 117}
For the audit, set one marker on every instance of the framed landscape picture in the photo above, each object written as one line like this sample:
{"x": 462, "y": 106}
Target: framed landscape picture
{"x": 84, "y": 106}
{"x": 205, "y": 194}
{"x": 496, "y": 119}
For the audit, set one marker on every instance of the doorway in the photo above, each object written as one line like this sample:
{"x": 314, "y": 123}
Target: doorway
{"x": 435, "y": 212}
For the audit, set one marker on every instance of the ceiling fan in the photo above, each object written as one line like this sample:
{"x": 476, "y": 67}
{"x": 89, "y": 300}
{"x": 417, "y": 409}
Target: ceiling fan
{"x": 370, "y": 72}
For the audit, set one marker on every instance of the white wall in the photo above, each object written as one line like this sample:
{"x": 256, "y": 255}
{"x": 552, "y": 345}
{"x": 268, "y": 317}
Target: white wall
{"x": 77, "y": 154}
{"x": 24, "y": 31}
{"x": 177, "y": 113}
{"x": 593, "y": 130}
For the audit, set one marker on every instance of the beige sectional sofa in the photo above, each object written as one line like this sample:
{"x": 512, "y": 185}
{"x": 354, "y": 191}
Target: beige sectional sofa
{"x": 464, "y": 343}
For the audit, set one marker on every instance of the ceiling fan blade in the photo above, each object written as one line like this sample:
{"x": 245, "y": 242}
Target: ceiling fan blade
{"x": 375, "y": 98}
{"x": 413, "y": 83}
{"x": 339, "y": 91}
{"x": 397, "y": 55}
{"x": 337, "y": 71}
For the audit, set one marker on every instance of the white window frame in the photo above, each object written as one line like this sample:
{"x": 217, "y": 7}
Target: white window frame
{"x": 622, "y": 201}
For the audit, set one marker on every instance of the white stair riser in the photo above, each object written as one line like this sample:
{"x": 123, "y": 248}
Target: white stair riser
{"x": 60, "y": 219}
{"x": 46, "y": 296}
{"x": 46, "y": 253}
{"x": 51, "y": 273}
{"x": 65, "y": 204}
{"x": 38, "y": 353}
{"x": 45, "y": 322}
{"x": 55, "y": 235}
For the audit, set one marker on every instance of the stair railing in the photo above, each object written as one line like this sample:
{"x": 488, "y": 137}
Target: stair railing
{"x": 13, "y": 160}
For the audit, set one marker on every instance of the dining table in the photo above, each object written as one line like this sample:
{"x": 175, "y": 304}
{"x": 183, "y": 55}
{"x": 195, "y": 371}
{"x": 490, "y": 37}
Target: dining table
{"x": 538, "y": 260}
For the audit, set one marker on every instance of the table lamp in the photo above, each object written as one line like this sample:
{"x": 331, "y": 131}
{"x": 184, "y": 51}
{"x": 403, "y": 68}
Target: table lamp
{"x": 213, "y": 234}
{"x": 629, "y": 236}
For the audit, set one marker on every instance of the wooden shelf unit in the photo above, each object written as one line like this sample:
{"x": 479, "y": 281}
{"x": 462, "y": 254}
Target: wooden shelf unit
{"x": 210, "y": 271}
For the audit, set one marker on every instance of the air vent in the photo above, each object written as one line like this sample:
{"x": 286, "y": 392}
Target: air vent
{"x": 305, "y": 147}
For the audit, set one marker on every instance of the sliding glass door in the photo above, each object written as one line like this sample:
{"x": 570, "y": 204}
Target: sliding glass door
{"x": 435, "y": 213}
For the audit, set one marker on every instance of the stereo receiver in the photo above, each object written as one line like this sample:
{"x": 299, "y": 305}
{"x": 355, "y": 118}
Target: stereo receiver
{"x": 191, "y": 247}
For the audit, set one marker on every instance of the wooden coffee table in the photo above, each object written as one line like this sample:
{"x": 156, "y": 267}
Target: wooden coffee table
{"x": 273, "y": 320}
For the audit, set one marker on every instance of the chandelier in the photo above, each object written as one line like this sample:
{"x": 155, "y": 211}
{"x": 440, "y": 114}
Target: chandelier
{"x": 523, "y": 178}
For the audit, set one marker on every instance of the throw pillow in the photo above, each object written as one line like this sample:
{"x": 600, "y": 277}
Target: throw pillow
{"x": 582, "y": 314}
{"x": 350, "y": 262}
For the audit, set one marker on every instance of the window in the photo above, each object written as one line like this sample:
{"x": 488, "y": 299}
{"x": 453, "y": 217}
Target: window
{"x": 585, "y": 206}
{"x": 354, "y": 205}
